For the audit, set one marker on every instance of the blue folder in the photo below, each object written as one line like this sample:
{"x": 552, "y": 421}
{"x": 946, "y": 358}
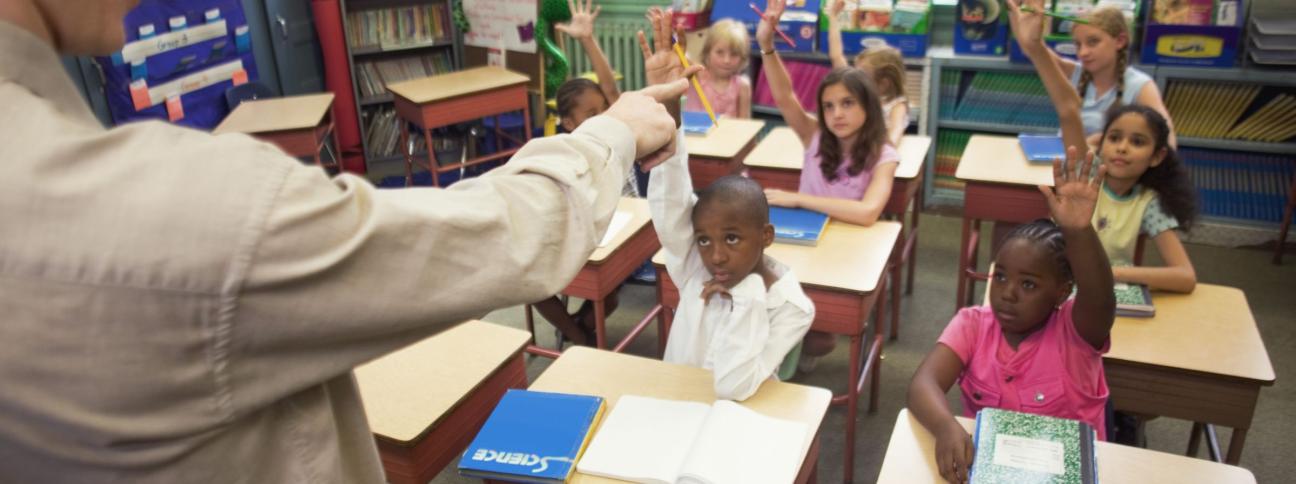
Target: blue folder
{"x": 797, "y": 226}
{"x": 1042, "y": 148}
{"x": 697, "y": 122}
{"x": 532, "y": 437}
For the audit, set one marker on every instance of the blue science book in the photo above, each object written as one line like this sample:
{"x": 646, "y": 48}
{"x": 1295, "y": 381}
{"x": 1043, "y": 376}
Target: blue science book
{"x": 533, "y": 437}
{"x": 696, "y": 122}
{"x": 1042, "y": 148}
{"x": 797, "y": 226}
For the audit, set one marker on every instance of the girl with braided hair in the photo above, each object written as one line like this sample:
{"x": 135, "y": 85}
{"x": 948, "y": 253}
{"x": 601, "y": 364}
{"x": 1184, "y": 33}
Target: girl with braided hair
{"x": 1103, "y": 76}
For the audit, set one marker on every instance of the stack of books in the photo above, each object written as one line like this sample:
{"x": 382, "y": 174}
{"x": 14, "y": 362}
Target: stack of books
{"x": 1231, "y": 111}
{"x": 399, "y": 26}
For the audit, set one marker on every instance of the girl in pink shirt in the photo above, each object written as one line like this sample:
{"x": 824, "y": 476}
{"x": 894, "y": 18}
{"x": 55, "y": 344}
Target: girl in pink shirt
{"x": 1032, "y": 350}
{"x": 724, "y": 53}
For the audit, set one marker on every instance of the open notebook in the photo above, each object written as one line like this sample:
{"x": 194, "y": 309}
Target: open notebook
{"x": 667, "y": 441}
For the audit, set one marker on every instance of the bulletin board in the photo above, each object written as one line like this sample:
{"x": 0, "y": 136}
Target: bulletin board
{"x": 506, "y": 23}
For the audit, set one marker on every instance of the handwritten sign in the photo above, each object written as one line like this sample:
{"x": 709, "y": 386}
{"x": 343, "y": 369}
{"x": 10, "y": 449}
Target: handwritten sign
{"x": 501, "y": 23}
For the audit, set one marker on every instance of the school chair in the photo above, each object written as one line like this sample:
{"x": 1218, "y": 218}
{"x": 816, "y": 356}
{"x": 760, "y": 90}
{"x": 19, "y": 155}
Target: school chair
{"x": 246, "y": 91}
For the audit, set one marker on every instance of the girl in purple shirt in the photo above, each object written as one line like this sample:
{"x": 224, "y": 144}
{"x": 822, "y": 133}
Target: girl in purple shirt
{"x": 849, "y": 165}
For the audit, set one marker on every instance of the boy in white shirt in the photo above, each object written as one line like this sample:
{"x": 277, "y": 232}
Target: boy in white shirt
{"x": 740, "y": 312}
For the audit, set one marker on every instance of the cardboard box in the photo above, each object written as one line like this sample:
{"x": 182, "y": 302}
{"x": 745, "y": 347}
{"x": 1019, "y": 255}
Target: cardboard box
{"x": 799, "y": 22}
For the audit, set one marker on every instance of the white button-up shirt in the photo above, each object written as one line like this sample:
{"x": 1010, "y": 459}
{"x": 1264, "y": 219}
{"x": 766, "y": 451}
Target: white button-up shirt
{"x": 742, "y": 339}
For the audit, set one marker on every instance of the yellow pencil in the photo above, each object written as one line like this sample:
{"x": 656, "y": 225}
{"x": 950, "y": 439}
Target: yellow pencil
{"x": 697, "y": 86}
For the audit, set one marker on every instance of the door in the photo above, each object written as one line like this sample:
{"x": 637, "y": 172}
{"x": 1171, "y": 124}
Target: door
{"x": 296, "y": 48}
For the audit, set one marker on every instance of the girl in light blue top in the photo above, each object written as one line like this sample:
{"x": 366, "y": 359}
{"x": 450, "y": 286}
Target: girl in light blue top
{"x": 1102, "y": 77}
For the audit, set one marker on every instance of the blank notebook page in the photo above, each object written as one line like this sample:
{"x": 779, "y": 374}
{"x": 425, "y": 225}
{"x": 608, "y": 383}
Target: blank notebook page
{"x": 644, "y": 439}
{"x": 738, "y": 445}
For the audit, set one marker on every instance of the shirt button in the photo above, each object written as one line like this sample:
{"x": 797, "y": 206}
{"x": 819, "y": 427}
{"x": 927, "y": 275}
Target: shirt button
{"x": 1009, "y": 379}
{"x": 976, "y": 395}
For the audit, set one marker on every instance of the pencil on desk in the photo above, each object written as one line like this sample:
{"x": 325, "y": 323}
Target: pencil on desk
{"x": 761, "y": 14}
{"x": 697, "y": 86}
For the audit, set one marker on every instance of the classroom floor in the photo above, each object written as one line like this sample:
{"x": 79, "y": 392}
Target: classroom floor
{"x": 1269, "y": 444}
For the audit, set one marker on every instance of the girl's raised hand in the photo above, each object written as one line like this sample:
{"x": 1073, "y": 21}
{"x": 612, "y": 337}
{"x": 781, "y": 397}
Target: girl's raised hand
{"x": 583, "y": 16}
{"x": 1028, "y": 27}
{"x": 835, "y": 10}
{"x": 769, "y": 21}
{"x": 1074, "y": 194}
{"x": 661, "y": 62}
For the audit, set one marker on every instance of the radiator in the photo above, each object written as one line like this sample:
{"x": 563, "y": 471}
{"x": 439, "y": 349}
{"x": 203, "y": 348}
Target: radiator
{"x": 620, "y": 43}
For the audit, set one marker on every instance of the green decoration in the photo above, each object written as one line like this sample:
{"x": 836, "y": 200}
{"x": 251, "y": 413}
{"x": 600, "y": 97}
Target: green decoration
{"x": 556, "y": 66}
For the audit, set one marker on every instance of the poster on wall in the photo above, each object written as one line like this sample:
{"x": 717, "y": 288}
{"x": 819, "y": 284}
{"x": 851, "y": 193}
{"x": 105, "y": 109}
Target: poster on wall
{"x": 501, "y": 23}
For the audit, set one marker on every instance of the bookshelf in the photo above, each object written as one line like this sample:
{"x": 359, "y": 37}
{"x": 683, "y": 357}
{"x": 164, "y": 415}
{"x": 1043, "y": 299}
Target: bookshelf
{"x": 390, "y": 41}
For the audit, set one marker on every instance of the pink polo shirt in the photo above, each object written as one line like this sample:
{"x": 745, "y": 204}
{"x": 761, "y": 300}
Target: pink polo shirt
{"x": 1052, "y": 372}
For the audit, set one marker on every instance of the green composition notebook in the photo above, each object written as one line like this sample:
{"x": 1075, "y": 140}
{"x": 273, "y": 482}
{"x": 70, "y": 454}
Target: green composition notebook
{"x": 1022, "y": 448}
{"x": 1133, "y": 300}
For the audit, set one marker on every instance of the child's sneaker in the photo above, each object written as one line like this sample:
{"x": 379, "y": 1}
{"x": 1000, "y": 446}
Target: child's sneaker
{"x": 646, "y": 273}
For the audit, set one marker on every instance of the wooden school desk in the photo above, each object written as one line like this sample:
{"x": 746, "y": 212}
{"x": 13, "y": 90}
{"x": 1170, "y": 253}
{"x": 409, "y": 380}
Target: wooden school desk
{"x": 840, "y": 276}
{"x": 911, "y": 459}
{"x": 776, "y": 163}
{"x": 425, "y": 403}
{"x": 301, "y": 126}
{"x": 1001, "y": 187}
{"x": 1199, "y": 359}
{"x": 606, "y": 269}
{"x": 446, "y": 99}
{"x": 721, "y": 151}
{"x": 610, "y": 375}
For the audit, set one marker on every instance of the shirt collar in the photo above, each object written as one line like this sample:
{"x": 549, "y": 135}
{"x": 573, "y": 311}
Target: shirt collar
{"x": 32, "y": 63}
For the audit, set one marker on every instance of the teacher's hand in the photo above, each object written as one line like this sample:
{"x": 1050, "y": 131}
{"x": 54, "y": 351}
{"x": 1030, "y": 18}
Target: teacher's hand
{"x": 652, "y": 125}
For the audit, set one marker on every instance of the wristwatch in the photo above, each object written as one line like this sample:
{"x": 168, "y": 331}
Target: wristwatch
{"x": 767, "y": 52}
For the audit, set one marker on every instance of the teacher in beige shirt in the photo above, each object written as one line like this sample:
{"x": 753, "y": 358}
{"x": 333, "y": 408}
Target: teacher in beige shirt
{"x": 177, "y": 307}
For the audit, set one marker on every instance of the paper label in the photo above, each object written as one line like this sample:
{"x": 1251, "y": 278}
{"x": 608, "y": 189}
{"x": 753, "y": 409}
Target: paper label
{"x": 140, "y": 95}
{"x": 1029, "y": 454}
{"x": 239, "y": 77}
{"x": 175, "y": 110}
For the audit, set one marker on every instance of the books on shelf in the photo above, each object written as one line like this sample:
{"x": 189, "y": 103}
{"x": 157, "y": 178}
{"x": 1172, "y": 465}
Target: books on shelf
{"x": 1006, "y": 98}
{"x": 950, "y": 144}
{"x": 1231, "y": 111}
{"x": 667, "y": 441}
{"x": 797, "y": 225}
{"x": 1020, "y": 447}
{"x": 1133, "y": 300}
{"x": 382, "y": 132}
{"x": 372, "y": 77}
{"x": 397, "y": 27}
{"x": 533, "y": 437}
{"x": 1042, "y": 148}
{"x": 1230, "y": 184}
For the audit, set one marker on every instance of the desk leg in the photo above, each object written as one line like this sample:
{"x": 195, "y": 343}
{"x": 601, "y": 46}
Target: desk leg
{"x": 1235, "y": 446}
{"x": 852, "y": 405}
{"x": 960, "y": 293}
{"x": 600, "y": 328}
{"x": 913, "y": 241}
{"x": 433, "y": 166}
{"x": 408, "y": 149}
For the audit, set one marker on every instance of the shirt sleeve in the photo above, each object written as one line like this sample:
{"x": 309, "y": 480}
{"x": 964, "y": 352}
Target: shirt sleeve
{"x": 670, "y": 201}
{"x": 1156, "y": 220}
{"x": 751, "y": 344}
{"x": 960, "y": 334}
{"x": 343, "y": 273}
{"x": 887, "y": 154}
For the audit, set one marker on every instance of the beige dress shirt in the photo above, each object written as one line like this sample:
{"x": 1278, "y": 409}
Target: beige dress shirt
{"x": 179, "y": 307}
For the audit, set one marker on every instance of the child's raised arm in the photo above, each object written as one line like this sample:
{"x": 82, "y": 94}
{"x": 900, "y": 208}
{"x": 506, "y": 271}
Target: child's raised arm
{"x": 835, "y": 52}
{"x": 581, "y": 28}
{"x": 780, "y": 84}
{"x": 1071, "y": 201}
{"x": 1028, "y": 28}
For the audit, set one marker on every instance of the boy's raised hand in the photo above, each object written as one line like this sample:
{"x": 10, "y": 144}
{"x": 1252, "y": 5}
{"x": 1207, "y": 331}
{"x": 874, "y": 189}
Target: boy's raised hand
{"x": 1028, "y": 27}
{"x": 583, "y": 15}
{"x": 1074, "y": 194}
{"x": 653, "y": 127}
{"x": 661, "y": 62}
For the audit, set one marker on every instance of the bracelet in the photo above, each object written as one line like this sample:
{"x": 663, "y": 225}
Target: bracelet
{"x": 767, "y": 52}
